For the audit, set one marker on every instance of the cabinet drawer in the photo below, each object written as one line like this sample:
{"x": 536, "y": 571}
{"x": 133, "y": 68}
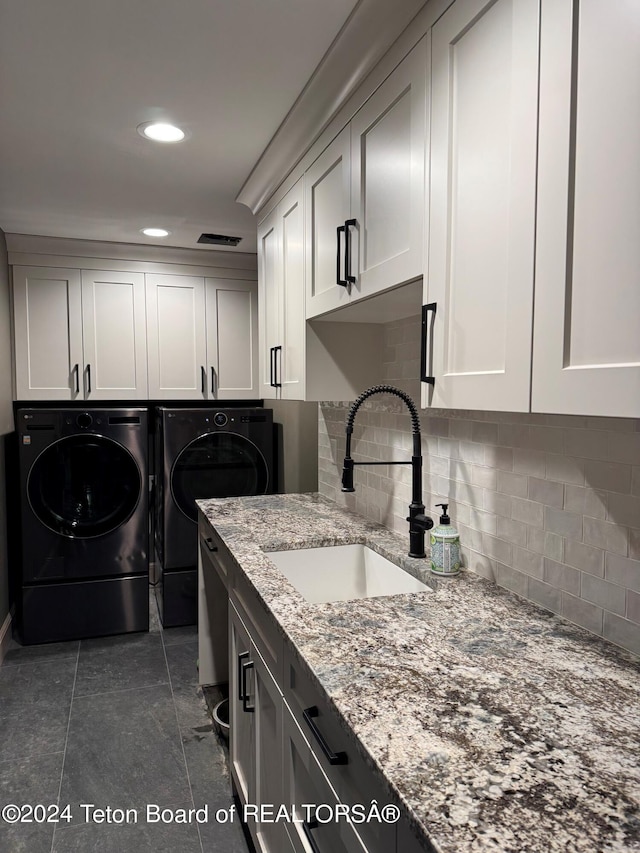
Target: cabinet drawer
{"x": 306, "y": 788}
{"x": 259, "y": 622}
{"x": 356, "y": 781}
{"x": 214, "y": 552}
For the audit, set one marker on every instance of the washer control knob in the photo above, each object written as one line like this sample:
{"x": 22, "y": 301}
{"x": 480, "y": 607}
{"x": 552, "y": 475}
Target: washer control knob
{"x": 84, "y": 420}
{"x": 220, "y": 419}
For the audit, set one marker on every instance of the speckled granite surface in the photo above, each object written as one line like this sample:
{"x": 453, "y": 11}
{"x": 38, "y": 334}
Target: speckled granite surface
{"x": 501, "y": 727}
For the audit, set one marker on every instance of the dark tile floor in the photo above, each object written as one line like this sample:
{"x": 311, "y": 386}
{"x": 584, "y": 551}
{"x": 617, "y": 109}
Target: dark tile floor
{"x": 119, "y": 723}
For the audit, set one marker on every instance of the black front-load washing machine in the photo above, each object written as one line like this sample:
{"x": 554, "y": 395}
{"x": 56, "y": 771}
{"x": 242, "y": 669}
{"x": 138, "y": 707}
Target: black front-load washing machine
{"x": 201, "y": 453}
{"x": 85, "y": 523}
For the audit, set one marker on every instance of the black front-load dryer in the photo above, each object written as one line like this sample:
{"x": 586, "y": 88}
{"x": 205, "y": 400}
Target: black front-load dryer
{"x": 85, "y": 518}
{"x": 201, "y": 453}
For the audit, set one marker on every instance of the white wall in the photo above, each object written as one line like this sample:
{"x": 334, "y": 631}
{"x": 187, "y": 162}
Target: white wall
{"x": 548, "y": 506}
{"x": 6, "y": 417}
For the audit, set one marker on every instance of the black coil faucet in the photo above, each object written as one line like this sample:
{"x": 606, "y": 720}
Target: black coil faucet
{"x": 418, "y": 521}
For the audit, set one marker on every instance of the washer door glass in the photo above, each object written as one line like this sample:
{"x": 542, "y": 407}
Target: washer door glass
{"x": 84, "y": 486}
{"x": 217, "y": 465}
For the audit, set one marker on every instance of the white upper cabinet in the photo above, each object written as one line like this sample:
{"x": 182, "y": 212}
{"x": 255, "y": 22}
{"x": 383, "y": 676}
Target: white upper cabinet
{"x": 327, "y": 209}
{"x": 202, "y": 337}
{"x": 387, "y": 180}
{"x": 484, "y": 77}
{"x": 587, "y": 320}
{"x": 364, "y": 195}
{"x": 176, "y": 335}
{"x": 282, "y": 318}
{"x": 114, "y": 335}
{"x": 79, "y": 335}
{"x": 232, "y": 338}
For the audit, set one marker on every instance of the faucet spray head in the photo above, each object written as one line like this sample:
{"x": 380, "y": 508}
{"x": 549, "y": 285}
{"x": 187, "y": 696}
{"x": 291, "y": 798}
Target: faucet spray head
{"x": 347, "y": 475}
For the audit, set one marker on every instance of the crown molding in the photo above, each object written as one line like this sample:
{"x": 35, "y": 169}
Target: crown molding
{"x": 370, "y": 30}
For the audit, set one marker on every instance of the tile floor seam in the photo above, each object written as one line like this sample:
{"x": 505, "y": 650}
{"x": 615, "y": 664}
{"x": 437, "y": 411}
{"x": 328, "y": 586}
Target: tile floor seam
{"x": 123, "y": 690}
{"x": 66, "y": 741}
{"x": 184, "y": 755}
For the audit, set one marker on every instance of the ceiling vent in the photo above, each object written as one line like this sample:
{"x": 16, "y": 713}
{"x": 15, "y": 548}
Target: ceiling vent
{"x": 219, "y": 240}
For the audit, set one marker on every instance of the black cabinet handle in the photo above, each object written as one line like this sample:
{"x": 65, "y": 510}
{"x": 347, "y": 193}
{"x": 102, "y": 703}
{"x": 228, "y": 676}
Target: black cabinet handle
{"x": 276, "y": 350}
{"x": 341, "y": 229}
{"x": 307, "y": 826}
{"x": 210, "y": 544}
{"x": 242, "y": 656}
{"x": 332, "y": 757}
{"x": 88, "y": 379}
{"x": 213, "y": 381}
{"x": 203, "y": 379}
{"x": 245, "y": 667}
{"x": 350, "y": 223}
{"x": 426, "y": 310}
{"x": 271, "y": 354}
{"x": 76, "y": 370}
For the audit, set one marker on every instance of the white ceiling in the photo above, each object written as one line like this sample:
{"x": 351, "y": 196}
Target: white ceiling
{"x": 78, "y": 76}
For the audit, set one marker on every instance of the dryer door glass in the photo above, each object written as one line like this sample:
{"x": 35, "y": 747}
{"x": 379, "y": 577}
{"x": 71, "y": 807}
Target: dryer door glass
{"x": 84, "y": 486}
{"x": 217, "y": 465}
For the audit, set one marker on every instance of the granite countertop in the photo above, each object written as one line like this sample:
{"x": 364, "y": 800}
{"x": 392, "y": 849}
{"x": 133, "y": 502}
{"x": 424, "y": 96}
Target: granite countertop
{"x": 500, "y": 726}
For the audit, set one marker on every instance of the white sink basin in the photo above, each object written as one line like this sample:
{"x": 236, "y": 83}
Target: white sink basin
{"x": 342, "y": 573}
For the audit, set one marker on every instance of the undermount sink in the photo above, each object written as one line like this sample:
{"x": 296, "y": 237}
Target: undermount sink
{"x": 342, "y": 573}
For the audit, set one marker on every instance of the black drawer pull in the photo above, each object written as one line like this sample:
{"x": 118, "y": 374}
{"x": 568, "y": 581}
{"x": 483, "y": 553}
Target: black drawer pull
{"x": 203, "y": 379}
{"x": 341, "y": 229}
{"x": 307, "y": 826}
{"x": 276, "y": 350}
{"x": 431, "y": 380}
{"x": 211, "y": 545}
{"x": 350, "y": 223}
{"x": 76, "y": 370}
{"x": 88, "y": 379}
{"x": 332, "y": 757}
{"x": 245, "y": 667}
{"x": 242, "y": 656}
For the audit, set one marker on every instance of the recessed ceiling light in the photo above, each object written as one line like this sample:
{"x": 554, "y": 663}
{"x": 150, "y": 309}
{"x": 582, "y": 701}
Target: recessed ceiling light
{"x": 161, "y": 131}
{"x": 155, "y": 232}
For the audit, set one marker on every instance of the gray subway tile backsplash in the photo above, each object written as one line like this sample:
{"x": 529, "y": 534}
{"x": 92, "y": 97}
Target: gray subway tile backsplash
{"x": 548, "y": 505}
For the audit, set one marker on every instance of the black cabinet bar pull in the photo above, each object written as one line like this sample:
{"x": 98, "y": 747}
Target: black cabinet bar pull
{"x": 203, "y": 379}
{"x": 271, "y": 354}
{"x": 242, "y": 656}
{"x": 88, "y": 379}
{"x": 211, "y": 545}
{"x": 350, "y": 223}
{"x": 276, "y": 350}
{"x": 76, "y": 370}
{"x": 246, "y": 666}
{"x": 213, "y": 381}
{"x": 307, "y": 826}
{"x": 332, "y": 757}
{"x": 341, "y": 281}
{"x": 426, "y": 310}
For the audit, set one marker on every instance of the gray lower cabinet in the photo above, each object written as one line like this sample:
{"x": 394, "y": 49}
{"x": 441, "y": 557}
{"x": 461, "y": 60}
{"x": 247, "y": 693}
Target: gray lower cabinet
{"x": 256, "y": 710}
{"x": 296, "y": 767}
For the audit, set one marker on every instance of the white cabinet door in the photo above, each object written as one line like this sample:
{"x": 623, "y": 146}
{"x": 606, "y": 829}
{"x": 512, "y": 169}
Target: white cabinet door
{"x": 387, "y": 179}
{"x": 232, "y": 338}
{"x": 114, "y": 334}
{"x": 291, "y": 367}
{"x": 587, "y": 318}
{"x": 282, "y": 299}
{"x": 268, "y": 702}
{"x": 484, "y": 77}
{"x": 270, "y": 300}
{"x": 176, "y": 337}
{"x": 327, "y": 206}
{"x": 47, "y": 306}
{"x": 241, "y": 725}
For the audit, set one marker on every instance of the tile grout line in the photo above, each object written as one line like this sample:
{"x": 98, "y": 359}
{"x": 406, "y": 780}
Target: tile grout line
{"x": 184, "y": 755}
{"x": 66, "y": 741}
